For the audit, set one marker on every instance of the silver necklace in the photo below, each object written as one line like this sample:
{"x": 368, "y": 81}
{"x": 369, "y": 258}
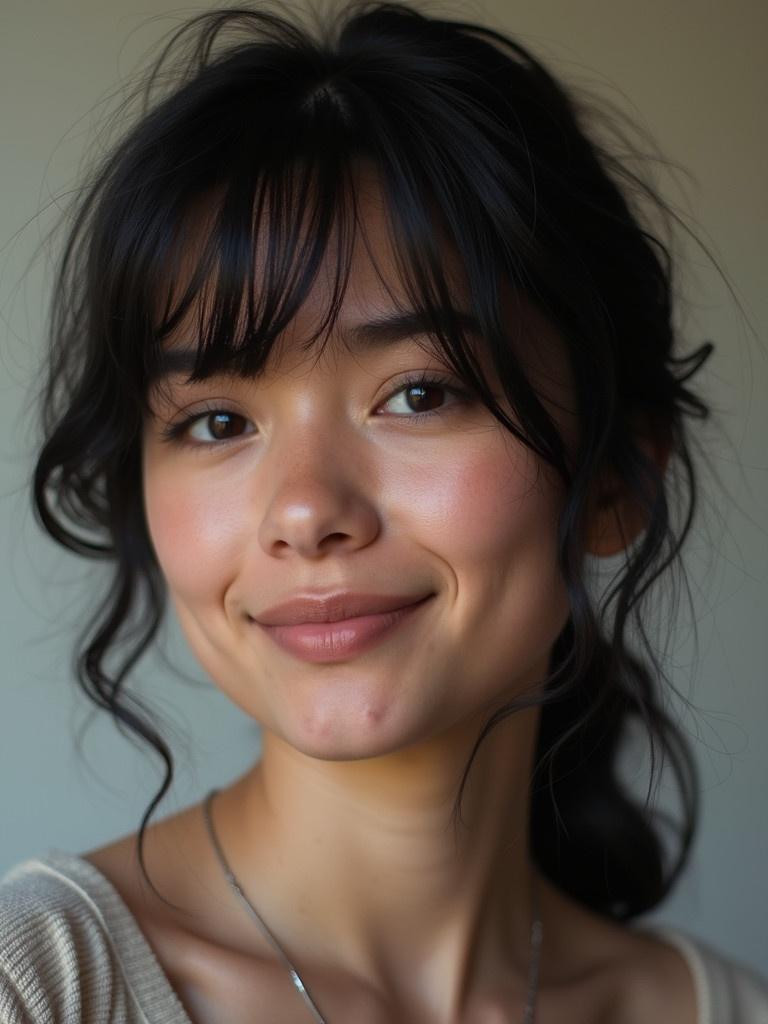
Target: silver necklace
{"x": 537, "y": 930}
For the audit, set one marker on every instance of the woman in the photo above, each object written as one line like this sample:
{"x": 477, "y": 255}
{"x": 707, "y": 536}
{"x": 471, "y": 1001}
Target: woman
{"x": 361, "y": 356}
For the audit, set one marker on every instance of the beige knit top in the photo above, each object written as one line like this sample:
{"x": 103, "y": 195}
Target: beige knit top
{"x": 72, "y": 953}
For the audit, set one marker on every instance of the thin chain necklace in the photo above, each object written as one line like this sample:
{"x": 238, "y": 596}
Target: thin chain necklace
{"x": 537, "y": 931}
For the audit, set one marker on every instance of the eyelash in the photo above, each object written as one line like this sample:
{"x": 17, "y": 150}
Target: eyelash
{"x": 173, "y": 433}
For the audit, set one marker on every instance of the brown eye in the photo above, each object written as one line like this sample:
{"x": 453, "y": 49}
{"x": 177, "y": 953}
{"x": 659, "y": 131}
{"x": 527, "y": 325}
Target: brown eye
{"x": 218, "y": 426}
{"x": 423, "y": 396}
{"x": 424, "y": 399}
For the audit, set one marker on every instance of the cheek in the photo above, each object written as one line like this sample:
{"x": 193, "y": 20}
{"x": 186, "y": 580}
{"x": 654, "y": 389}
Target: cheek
{"x": 191, "y": 531}
{"x": 493, "y": 506}
{"x": 491, "y": 521}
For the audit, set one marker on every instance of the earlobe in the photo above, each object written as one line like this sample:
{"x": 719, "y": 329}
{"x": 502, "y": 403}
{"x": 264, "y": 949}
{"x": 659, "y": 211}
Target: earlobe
{"x": 615, "y": 519}
{"x": 615, "y": 523}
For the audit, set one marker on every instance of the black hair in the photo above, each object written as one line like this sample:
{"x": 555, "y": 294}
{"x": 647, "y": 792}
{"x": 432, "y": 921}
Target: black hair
{"x": 470, "y": 132}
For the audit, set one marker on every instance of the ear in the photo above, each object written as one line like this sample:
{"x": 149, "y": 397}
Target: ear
{"x": 615, "y": 520}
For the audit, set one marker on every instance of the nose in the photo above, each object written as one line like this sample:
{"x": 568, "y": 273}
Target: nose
{"x": 318, "y": 505}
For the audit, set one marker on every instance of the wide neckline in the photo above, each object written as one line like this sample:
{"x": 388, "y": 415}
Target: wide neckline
{"x": 151, "y": 987}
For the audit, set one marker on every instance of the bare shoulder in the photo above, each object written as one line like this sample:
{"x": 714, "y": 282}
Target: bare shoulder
{"x": 166, "y": 849}
{"x": 654, "y": 983}
{"x": 165, "y": 919}
{"x": 611, "y": 973}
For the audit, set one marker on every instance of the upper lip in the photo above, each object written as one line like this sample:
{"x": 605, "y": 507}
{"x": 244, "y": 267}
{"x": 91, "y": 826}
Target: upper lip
{"x": 333, "y": 607}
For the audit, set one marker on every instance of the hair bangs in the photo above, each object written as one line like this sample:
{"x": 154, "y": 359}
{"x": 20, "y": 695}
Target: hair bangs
{"x": 255, "y": 187}
{"x": 243, "y": 265}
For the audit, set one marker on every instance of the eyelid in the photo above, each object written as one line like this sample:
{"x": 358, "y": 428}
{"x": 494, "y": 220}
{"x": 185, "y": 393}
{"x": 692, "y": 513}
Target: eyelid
{"x": 174, "y": 431}
{"x": 203, "y": 415}
{"x": 425, "y": 378}
{"x": 175, "y": 427}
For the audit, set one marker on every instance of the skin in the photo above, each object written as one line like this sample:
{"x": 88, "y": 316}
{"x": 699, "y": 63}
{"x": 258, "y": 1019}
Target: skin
{"x": 340, "y": 833}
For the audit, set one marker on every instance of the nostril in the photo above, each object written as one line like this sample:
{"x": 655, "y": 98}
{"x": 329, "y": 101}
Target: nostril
{"x": 335, "y": 536}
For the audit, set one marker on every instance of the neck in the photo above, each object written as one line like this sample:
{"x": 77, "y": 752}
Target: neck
{"x": 367, "y": 872}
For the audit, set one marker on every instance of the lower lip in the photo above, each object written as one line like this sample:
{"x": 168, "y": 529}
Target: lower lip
{"x": 336, "y": 641}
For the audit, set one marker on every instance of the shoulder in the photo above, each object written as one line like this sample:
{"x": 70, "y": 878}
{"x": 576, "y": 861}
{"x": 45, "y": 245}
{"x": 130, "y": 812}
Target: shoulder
{"x": 45, "y": 907}
{"x": 729, "y": 991}
{"x": 58, "y": 956}
{"x": 657, "y": 973}
{"x": 610, "y": 972}
{"x": 54, "y": 955}
{"x": 670, "y": 977}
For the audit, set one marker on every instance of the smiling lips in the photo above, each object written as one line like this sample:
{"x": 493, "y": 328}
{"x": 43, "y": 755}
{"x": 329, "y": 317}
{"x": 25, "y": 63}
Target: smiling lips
{"x": 336, "y": 627}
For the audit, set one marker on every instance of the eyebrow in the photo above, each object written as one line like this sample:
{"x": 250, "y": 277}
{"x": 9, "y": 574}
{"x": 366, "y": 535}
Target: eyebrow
{"x": 364, "y": 337}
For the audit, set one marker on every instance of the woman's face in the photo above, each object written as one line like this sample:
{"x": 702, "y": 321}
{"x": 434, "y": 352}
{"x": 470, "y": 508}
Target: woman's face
{"x": 319, "y": 478}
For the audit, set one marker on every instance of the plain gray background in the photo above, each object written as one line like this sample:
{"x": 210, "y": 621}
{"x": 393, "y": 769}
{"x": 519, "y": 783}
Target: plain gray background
{"x": 692, "y": 74}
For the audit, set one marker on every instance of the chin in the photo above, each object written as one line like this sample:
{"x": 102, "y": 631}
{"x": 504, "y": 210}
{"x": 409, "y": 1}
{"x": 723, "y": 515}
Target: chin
{"x": 354, "y": 735}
